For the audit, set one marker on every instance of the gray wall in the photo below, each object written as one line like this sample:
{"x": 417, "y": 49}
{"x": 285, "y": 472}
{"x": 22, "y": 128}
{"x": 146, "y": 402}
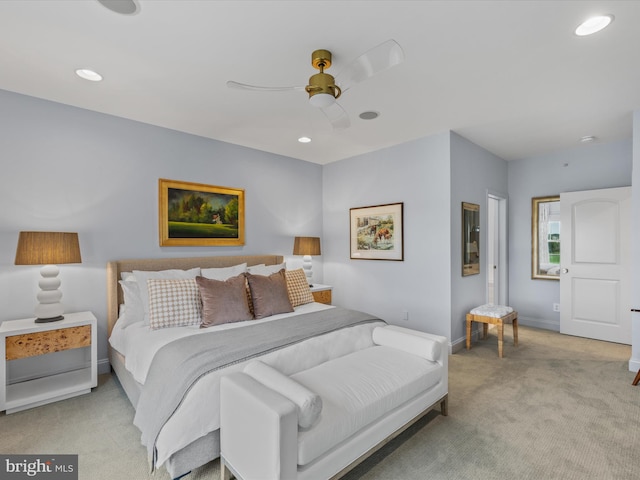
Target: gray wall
{"x": 474, "y": 173}
{"x": 432, "y": 176}
{"x": 416, "y": 173}
{"x": 67, "y": 169}
{"x": 586, "y": 167}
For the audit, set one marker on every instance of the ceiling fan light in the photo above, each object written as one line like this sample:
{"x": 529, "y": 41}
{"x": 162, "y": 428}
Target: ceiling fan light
{"x": 322, "y": 100}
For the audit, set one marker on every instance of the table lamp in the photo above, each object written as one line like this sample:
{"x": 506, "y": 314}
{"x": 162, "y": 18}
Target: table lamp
{"x": 48, "y": 249}
{"x": 307, "y": 246}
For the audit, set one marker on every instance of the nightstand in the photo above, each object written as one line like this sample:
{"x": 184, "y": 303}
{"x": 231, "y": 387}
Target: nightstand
{"x": 25, "y": 338}
{"x": 321, "y": 293}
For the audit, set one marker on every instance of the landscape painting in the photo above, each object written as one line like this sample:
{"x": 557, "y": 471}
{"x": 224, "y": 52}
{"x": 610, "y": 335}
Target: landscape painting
{"x": 194, "y": 214}
{"x": 376, "y": 232}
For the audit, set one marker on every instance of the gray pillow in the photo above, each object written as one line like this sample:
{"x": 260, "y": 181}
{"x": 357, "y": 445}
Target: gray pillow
{"x": 269, "y": 294}
{"x": 223, "y": 301}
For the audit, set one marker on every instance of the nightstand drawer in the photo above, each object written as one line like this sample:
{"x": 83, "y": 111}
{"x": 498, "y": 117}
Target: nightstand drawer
{"x": 39, "y": 343}
{"x": 322, "y": 296}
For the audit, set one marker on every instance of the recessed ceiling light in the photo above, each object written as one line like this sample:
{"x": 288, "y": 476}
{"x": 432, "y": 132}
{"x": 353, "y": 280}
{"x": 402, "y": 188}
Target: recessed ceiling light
{"x": 587, "y": 139}
{"x": 593, "y": 25}
{"x": 88, "y": 74}
{"x": 369, "y": 115}
{"x": 304, "y": 139}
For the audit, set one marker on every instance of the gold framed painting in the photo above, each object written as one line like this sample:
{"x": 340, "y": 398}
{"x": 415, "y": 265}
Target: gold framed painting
{"x": 195, "y": 214}
{"x": 470, "y": 239}
{"x": 377, "y": 232}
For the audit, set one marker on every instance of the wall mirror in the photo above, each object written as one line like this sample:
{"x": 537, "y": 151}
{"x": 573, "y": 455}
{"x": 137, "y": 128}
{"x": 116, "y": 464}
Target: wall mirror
{"x": 470, "y": 239}
{"x": 545, "y": 238}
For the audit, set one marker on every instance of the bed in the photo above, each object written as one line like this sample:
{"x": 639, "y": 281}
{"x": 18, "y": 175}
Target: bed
{"x": 184, "y": 431}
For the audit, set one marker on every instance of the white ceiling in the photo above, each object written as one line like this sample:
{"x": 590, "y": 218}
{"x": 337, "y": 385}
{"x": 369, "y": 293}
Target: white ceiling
{"x": 508, "y": 75}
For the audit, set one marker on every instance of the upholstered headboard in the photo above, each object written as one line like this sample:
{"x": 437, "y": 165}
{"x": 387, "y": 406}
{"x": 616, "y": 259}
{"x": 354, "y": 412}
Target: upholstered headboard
{"x": 116, "y": 267}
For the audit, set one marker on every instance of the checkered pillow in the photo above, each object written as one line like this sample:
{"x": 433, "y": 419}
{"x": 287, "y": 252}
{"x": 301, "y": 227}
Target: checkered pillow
{"x": 298, "y": 287}
{"x": 173, "y": 303}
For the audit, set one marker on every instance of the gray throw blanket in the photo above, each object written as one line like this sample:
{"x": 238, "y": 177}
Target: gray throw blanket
{"x": 178, "y": 365}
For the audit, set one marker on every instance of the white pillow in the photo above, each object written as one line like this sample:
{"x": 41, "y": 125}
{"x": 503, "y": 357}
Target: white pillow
{"x": 223, "y": 273}
{"x": 133, "y": 311}
{"x": 410, "y": 341}
{"x": 174, "y": 302}
{"x": 266, "y": 269}
{"x": 308, "y": 404}
{"x": 127, "y": 276}
{"x": 143, "y": 276}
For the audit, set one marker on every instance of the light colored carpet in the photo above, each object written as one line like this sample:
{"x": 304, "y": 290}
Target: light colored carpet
{"x": 556, "y": 407}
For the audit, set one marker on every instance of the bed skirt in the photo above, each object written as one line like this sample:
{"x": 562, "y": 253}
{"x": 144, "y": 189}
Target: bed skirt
{"x": 194, "y": 455}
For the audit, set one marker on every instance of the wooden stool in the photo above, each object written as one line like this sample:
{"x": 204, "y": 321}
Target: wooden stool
{"x": 495, "y": 315}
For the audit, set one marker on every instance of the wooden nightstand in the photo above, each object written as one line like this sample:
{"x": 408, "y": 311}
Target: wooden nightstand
{"x": 25, "y": 338}
{"x": 321, "y": 293}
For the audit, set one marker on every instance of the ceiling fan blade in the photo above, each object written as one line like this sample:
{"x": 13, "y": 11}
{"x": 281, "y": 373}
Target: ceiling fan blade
{"x": 244, "y": 86}
{"x": 370, "y": 63}
{"x": 337, "y": 116}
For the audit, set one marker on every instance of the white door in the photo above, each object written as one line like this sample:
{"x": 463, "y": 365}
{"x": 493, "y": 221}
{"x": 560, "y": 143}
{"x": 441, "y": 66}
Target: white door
{"x": 595, "y": 263}
{"x": 496, "y": 250}
{"x": 493, "y": 284}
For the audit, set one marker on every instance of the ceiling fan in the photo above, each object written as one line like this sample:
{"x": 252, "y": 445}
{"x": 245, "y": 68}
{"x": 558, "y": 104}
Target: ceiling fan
{"x": 324, "y": 90}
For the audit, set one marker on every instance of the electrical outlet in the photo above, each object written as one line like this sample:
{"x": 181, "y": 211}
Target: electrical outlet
{"x": 556, "y": 307}
{"x": 405, "y": 315}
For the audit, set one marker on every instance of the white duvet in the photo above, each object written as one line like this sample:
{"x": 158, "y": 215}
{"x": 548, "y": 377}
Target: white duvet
{"x": 199, "y": 413}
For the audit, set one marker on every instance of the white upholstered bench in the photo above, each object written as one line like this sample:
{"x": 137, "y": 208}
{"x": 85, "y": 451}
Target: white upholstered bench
{"x": 320, "y": 422}
{"x": 496, "y": 315}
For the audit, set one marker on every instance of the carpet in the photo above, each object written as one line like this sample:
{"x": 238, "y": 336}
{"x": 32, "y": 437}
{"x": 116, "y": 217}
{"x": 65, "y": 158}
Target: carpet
{"x": 555, "y": 407}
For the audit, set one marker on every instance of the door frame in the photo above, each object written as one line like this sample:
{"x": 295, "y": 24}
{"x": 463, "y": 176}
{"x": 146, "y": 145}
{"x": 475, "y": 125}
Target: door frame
{"x": 501, "y": 295}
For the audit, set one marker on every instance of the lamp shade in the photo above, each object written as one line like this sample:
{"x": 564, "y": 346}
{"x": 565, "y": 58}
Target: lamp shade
{"x": 48, "y": 249}
{"x": 44, "y": 248}
{"x": 306, "y": 246}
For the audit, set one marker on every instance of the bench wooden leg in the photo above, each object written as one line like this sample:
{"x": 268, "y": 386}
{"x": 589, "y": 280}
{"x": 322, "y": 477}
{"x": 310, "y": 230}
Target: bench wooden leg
{"x": 515, "y": 331}
{"x": 469, "y": 322}
{"x": 500, "y": 338}
{"x": 485, "y": 331}
{"x": 637, "y": 379}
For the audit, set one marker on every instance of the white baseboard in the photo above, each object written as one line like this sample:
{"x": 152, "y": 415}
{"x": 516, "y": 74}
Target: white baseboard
{"x": 455, "y": 347}
{"x": 538, "y": 323}
{"x": 461, "y": 343}
{"x": 104, "y": 366}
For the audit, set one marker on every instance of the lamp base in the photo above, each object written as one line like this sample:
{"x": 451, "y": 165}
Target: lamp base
{"x": 49, "y": 309}
{"x": 52, "y": 319}
{"x": 307, "y": 266}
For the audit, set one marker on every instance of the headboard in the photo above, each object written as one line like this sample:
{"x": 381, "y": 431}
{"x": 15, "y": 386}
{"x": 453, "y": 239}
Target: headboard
{"x": 114, "y": 268}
